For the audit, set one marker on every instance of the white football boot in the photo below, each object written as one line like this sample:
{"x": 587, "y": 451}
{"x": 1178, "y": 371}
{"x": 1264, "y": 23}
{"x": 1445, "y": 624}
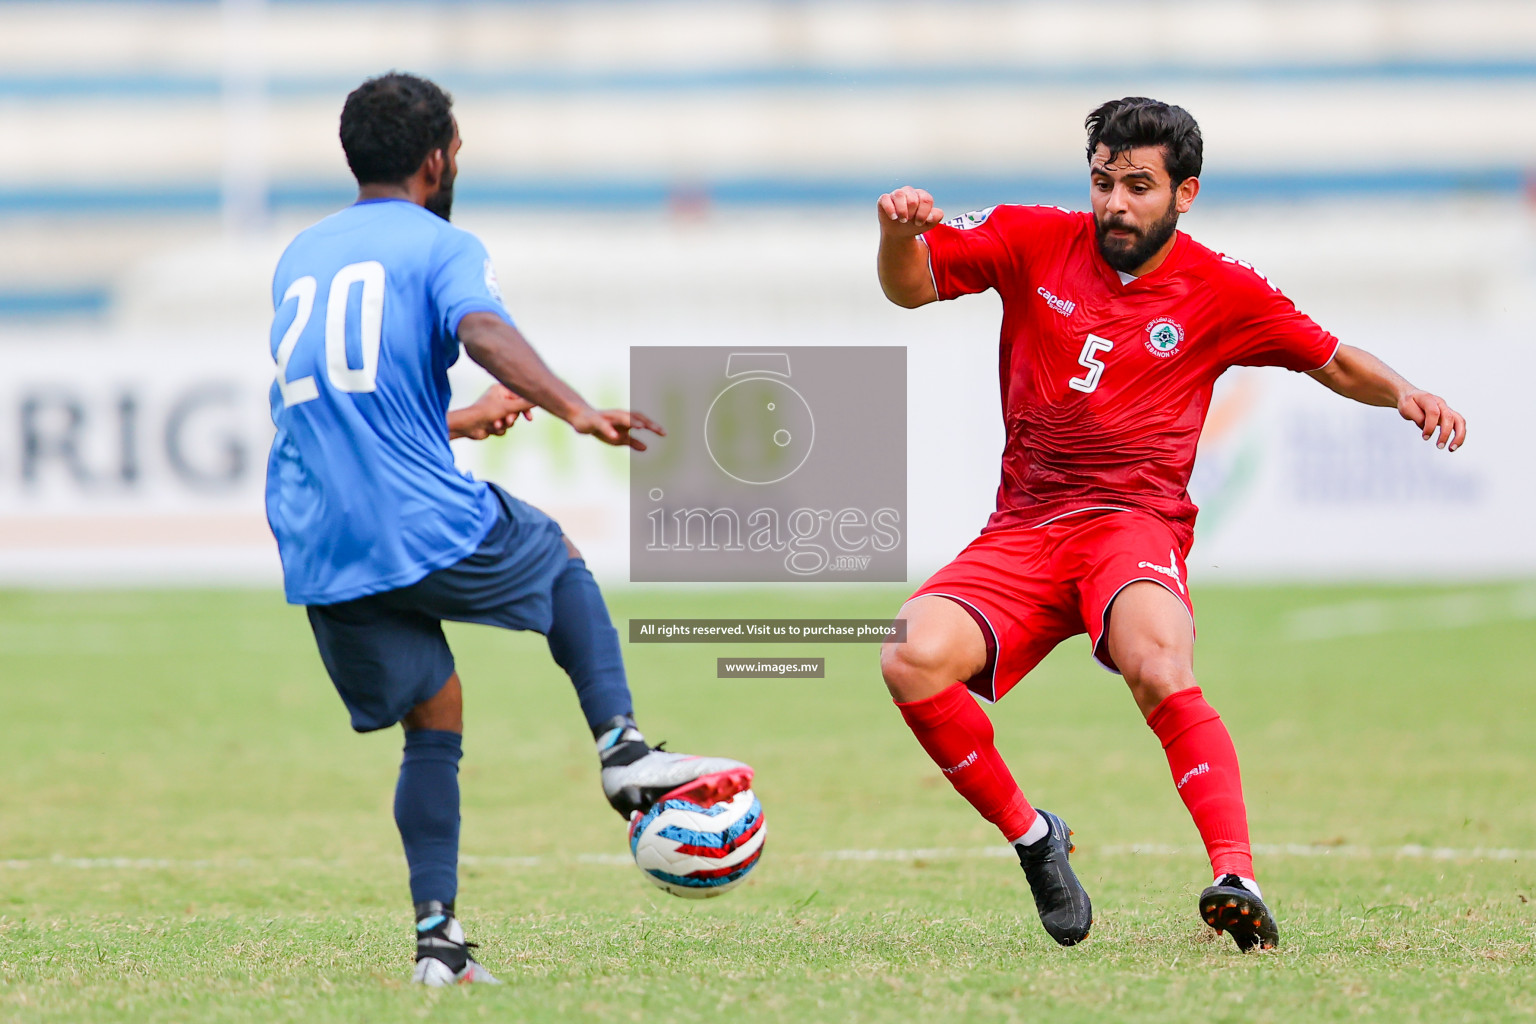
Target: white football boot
{"x": 442, "y": 955}
{"x": 637, "y": 776}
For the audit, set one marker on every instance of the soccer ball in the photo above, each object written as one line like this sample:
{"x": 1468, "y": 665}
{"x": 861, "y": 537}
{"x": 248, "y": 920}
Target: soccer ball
{"x": 695, "y": 851}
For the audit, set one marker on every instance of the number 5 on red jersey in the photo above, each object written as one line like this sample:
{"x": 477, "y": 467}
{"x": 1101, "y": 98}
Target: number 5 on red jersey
{"x": 1094, "y": 365}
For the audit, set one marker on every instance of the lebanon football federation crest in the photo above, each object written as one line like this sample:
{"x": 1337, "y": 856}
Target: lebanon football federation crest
{"x": 1164, "y": 336}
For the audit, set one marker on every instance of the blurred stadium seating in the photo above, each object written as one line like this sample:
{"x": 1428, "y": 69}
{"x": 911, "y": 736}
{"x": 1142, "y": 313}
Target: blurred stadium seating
{"x": 129, "y": 123}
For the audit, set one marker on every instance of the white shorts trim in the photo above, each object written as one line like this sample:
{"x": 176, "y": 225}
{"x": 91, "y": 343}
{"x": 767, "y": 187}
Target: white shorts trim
{"x": 997, "y": 648}
{"x": 1103, "y": 634}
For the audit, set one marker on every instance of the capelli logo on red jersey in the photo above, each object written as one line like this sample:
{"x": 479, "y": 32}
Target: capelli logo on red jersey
{"x": 1062, "y": 306}
{"x": 1164, "y": 336}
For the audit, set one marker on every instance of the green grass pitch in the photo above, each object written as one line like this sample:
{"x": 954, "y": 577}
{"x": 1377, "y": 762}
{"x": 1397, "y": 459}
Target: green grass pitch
{"x": 190, "y": 832}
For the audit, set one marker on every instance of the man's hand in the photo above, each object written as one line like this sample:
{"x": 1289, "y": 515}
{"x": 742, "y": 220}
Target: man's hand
{"x": 902, "y": 263}
{"x": 502, "y": 350}
{"x": 1429, "y": 412}
{"x": 1355, "y": 373}
{"x": 614, "y": 426}
{"x": 907, "y": 212}
{"x": 492, "y": 413}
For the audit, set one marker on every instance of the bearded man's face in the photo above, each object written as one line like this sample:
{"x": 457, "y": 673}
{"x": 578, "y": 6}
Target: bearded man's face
{"x": 1135, "y": 205}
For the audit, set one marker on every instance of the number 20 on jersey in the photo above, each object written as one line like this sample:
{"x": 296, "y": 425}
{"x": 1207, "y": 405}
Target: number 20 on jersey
{"x": 342, "y": 376}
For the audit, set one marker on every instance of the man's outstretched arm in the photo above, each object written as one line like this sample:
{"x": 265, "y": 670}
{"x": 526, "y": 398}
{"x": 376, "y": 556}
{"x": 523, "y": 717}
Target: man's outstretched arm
{"x": 507, "y": 356}
{"x": 1355, "y": 373}
{"x": 903, "y": 260}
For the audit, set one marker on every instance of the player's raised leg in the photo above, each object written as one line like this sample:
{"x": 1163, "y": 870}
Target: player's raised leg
{"x": 635, "y": 775}
{"x": 944, "y": 646}
{"x": 427, "y": 814}
{"x": 1151, "y": 639}
{"x": 584, "y": 643}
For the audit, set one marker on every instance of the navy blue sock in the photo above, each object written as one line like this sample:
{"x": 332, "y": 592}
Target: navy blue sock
{"x": 585, "y": 644}
{"x": 427, "y": 812}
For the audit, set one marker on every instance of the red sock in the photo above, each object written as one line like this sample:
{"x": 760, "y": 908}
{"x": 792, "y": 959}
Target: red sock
{"x": 1204, "y": 765}
{"x": 958, "y": 736}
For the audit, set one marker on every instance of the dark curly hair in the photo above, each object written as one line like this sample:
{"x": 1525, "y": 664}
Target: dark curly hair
{"x": 390, "y": 124}
{"x": 1139, "y": 121}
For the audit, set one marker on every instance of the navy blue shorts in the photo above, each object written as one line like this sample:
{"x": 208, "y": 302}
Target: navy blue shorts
{"x": 386, "y": 652}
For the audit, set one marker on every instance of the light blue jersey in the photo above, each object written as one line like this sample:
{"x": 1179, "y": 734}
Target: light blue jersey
{"x": 362, "y": 492}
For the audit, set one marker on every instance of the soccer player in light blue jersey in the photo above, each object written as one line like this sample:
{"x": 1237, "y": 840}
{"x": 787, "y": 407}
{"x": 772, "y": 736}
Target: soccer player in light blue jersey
{"x": 382, "y": 537}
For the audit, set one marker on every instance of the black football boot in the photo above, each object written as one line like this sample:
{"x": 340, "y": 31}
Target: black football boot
{"x": 1229, "y": 906}
{"x": 1065, "y": 910}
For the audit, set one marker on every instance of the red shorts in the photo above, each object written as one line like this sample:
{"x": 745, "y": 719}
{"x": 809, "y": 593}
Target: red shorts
{"x": 1030, "y": 588}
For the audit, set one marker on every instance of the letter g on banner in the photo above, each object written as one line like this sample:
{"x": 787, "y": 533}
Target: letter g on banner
{"x": 203, "y": 443}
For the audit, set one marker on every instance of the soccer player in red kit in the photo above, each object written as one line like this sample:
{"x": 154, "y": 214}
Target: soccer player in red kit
{"x": 1115, "y": 328}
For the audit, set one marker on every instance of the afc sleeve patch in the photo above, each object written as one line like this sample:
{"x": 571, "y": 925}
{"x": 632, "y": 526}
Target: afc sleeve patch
{"x": 974, "y": 219}
{"x": 491, "y": 284}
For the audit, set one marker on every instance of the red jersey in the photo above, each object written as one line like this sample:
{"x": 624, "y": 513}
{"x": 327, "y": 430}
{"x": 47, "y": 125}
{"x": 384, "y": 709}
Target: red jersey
{"x": 1105, "y": 385}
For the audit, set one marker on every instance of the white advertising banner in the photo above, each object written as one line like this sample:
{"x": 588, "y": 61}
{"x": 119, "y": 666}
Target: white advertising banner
{"x": 1295, "y": 482}
{"x": 133, "y": 460}
{"x": 139, "y": 460}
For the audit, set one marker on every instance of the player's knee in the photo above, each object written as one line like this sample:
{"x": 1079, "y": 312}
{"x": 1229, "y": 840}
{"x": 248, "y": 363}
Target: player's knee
{"x": 915, "y": 669}
{"x": 444, "y": 711}
{"x": 1155, "y": 671}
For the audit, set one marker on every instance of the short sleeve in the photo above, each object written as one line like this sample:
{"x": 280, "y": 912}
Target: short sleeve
{"x": 463, "y": 282}
{"x": 985, "y": 249}
{"x": 1266, "y": 329}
